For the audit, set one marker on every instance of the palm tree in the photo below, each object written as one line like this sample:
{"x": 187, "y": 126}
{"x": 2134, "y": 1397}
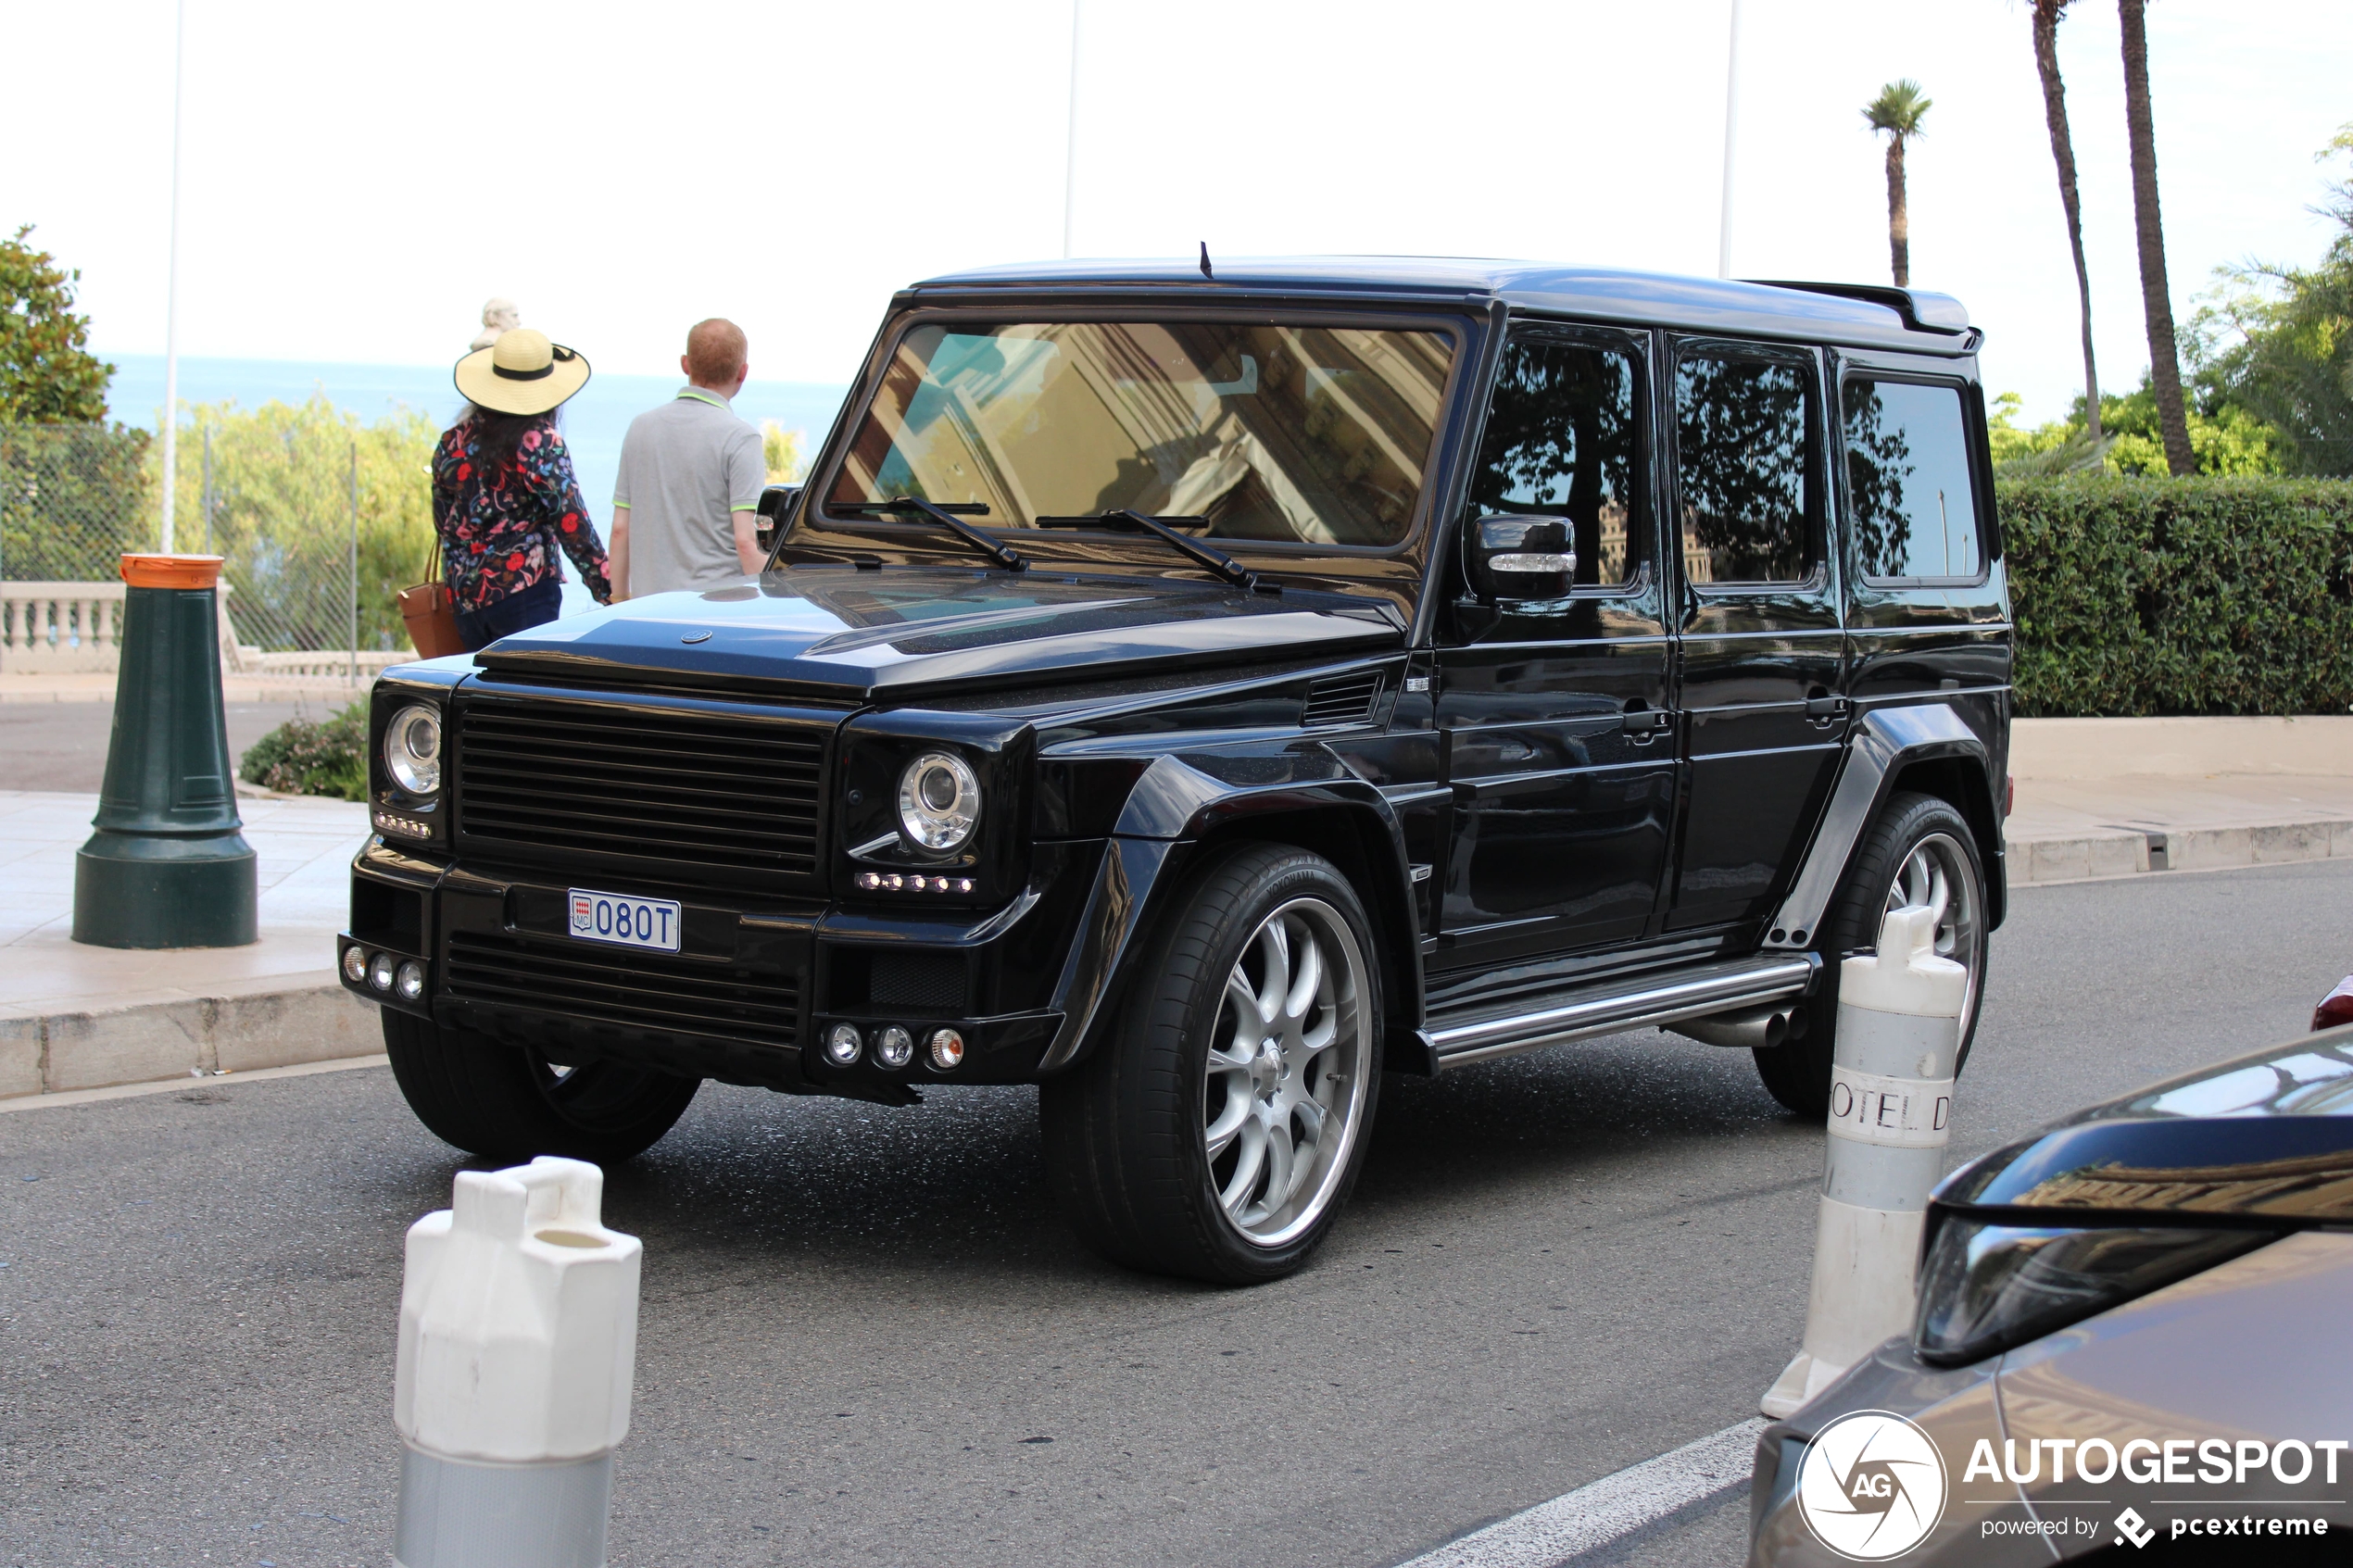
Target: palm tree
{"x": 1897, "y": 110}
{"x": 2046, "y": 21}
{"x": 2157, "y": 304}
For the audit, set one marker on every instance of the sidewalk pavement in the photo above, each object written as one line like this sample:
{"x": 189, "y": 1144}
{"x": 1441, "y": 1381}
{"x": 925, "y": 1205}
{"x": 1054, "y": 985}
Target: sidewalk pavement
{"x": 75, "y": 1018}
{"x": 2067, "y": 830}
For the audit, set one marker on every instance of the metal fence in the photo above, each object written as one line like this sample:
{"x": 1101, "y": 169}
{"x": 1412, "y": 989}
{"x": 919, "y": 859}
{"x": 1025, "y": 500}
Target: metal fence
{"x": 285, "y": 519}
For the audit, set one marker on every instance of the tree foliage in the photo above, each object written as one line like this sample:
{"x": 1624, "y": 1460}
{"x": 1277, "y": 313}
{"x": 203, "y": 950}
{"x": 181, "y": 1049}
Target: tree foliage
{"x": 2278, "y": 342}
{"x": 2226, "y": 436}
{"x": 282, "y": 516}
{"x": 47, "y": 375}
{"x": 1898, "y": 112}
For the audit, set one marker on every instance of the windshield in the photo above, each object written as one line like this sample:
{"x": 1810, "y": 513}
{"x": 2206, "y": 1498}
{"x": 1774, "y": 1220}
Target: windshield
{"x": 1299, "y": 434}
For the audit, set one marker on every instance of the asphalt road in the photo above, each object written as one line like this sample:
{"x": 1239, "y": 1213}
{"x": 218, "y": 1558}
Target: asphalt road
{"x": 63, "y": 744}
{"x": 866, "y": 1337}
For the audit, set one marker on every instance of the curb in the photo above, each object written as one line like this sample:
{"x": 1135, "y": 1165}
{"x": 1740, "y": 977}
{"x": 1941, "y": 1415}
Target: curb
{"x": 313, "y": 1020}
{"x": 2129, "y": 851}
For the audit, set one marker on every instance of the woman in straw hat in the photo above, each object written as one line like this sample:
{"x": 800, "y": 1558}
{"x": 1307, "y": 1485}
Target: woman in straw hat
{"x": 504, "y": 498}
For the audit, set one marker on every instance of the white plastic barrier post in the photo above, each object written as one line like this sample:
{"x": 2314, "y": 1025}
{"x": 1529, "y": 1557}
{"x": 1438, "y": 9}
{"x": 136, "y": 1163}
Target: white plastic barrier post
{"x": 1899, "y": 1030}
{"x": 518, "y": 1345}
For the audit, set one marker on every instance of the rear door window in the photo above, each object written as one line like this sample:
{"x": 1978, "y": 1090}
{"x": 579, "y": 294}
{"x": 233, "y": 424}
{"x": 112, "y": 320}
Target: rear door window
{"x": 1911, "y": 502}
{"x": 1744, "y": 463}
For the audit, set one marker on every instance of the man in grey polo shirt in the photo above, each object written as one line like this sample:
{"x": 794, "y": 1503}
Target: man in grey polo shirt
{"x": 686, "y": 503}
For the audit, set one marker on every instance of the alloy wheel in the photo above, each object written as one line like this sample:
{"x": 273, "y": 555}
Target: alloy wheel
{"x": 1287, "y": 1071}
{"x": 1938, "y": 876}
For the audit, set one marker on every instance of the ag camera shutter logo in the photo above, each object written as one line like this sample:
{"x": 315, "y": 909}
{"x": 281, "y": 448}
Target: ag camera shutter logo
{"x": 1871, "y": 1485}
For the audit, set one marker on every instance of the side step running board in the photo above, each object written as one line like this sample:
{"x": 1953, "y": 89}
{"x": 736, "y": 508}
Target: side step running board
{"x": 1687, "y": 994}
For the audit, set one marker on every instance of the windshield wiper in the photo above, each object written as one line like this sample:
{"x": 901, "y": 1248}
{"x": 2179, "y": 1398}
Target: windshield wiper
{"x": 1127, "y": 519}
{"x": 1003, "y": 555}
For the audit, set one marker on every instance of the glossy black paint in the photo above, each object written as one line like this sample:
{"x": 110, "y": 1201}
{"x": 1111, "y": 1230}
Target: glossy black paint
{"x": 1535, "y": 795}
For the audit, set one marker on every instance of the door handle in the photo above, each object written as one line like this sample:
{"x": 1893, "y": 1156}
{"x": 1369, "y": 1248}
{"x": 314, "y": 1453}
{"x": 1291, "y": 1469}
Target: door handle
{"x": 1820, "y": 709}
{"x": 1646, "y": 725}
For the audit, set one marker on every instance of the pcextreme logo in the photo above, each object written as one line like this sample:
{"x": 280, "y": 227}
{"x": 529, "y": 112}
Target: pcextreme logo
{"x": 1870, "y": 1486}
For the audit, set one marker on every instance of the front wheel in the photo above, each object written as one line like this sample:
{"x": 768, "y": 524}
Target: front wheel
{"x": 508, "y": 1102}
{"x": 1217, "y": 1133}
{"x": 1919, "y": 852}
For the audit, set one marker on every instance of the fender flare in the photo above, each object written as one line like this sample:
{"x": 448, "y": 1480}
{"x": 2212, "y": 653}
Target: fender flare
{"x": 1179, "y": 803}
{"x": 1885, "y": 741}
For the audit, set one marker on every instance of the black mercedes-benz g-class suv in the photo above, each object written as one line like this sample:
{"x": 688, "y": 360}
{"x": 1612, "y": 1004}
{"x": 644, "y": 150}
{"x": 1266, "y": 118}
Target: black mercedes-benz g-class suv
{"x": 1197, "y": 695}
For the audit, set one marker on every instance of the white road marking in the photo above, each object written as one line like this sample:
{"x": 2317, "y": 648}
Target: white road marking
{"x": 1614, "y": 1506}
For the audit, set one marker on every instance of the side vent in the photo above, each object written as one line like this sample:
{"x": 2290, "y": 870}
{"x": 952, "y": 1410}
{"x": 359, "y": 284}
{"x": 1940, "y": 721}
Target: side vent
{"x": 1343, "y": 699}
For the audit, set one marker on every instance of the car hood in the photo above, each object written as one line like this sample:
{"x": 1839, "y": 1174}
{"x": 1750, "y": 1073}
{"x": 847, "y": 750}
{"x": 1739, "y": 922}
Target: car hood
{"x": 840, "y": 632}
{"x": 2261, "y": 1138}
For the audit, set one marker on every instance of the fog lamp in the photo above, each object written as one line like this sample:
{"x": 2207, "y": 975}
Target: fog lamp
{"x": 411, "y": 983}
{"x": 947, "y": 1050}
{"x": 894, "y": 1047}
{"x": 842, "y": 1045}
{"x": 379, "y": 971}
{"x": 355, "y": 965}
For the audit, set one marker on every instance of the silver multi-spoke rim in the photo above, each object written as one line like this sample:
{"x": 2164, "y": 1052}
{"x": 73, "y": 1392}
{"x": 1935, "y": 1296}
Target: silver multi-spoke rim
{"x": 1936, "y": 875}
{"x": 1286, "y": 1073}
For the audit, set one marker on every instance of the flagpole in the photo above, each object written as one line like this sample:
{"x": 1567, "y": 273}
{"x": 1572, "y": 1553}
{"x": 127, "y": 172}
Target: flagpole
{"x": 171, "y": 286}
{"x": 1070, "y": 135}
{"x": 1732, "y": 129}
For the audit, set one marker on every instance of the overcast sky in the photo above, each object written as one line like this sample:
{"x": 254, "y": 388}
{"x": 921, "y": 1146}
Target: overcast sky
{"x": 357, "y": 178}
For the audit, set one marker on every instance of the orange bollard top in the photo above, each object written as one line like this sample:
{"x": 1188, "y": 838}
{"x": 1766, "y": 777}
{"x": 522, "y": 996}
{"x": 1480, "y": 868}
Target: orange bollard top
{"x": 170, "y": 571}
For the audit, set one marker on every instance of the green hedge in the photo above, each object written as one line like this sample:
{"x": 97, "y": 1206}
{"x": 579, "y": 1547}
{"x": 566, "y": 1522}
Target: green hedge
{"x": 2181, "y": 596}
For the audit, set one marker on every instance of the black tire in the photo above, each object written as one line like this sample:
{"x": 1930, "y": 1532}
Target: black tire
{"x": 1128, "y": 1132}
{"x": 1799, "y": 1073}
{"x": 504, "y": 1102}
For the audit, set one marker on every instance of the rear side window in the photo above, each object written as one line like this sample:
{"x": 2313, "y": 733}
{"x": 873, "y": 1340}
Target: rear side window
{"x": 1912, "y": 506}
{"x": 1744, "y": 457}
{"x": 1564, "y": 439}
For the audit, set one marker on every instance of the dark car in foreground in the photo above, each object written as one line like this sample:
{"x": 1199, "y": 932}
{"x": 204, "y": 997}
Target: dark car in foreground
{"x": 2134, "y": 1337}
{"x": 1199, "y": 695}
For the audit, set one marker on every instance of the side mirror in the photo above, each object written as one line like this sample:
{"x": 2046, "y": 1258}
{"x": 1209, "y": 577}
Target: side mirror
{"x": 775, "y": 505}
{"x": 1521, "y": 558}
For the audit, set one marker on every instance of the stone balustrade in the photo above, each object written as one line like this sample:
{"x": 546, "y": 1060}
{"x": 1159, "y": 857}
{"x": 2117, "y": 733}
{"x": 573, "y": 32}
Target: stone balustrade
{"x": 74, "y": 629}
{"x": 60, "y": 628}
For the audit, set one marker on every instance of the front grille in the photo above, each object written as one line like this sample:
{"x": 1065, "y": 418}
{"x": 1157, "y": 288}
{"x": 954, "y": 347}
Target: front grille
{"x": 619, "y": 780}
{"x": 931, "y": 981}
{"x": 622, "y": 985}
{"x": 1343, "y": 699}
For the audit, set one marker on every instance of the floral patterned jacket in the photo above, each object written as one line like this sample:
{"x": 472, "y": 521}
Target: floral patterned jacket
{"x": 495, "y": 529}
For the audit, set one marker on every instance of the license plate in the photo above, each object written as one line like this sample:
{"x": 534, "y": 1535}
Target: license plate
{"x": 627, "y": 922}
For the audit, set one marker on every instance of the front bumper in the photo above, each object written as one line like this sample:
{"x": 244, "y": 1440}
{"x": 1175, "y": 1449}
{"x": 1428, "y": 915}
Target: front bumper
{"x": 755, "y": 988}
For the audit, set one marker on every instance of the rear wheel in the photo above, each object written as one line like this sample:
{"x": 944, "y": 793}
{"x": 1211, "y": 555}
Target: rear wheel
{"x": 1921, "y": 851}
{"x": 508, "y": 1102}
{"x": 1217, "y": 1133}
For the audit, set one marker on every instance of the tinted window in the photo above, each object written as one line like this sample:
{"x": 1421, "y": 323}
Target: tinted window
{"x": 1745, "y": 453}
{"x": 1301, "y": 433}
{"x": 1912, "y": 506}
{"x": 1564, "y": 439}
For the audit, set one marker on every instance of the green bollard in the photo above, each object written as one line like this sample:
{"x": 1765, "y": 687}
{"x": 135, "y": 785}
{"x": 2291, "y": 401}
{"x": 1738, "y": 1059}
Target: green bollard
{"x": 169, "y": 866}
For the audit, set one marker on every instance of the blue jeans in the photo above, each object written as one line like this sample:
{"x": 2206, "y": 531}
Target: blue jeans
{"x": 535, "y": 606}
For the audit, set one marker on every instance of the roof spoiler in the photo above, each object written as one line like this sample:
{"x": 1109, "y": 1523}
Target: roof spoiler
{"x": 1922, "y": 311}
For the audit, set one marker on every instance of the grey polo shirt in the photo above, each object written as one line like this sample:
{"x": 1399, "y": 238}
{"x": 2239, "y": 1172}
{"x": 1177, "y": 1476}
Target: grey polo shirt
{"x": 685, "y": 468}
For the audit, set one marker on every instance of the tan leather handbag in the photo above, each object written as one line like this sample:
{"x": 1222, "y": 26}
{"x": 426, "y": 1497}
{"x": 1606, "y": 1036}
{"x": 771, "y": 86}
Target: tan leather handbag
{"x": 429, "y": 614}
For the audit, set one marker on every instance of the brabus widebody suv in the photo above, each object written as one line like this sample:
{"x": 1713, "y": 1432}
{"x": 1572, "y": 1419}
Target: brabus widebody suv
{"x": 1197, "y": 695}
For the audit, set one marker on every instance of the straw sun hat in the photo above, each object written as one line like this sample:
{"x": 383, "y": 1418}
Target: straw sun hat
{"x": 522, "y": 373}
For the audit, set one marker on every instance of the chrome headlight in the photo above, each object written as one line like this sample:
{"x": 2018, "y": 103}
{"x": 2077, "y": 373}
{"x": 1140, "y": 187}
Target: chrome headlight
{"x": 938, "y": 801}
{"x": 412, "y": 748}
{"x": 1986, "y": 1287}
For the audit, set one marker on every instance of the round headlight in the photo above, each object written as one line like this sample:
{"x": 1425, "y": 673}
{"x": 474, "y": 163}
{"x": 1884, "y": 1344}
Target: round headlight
{"x": 938, "y": 801}
{"x": 413, "y": 750}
